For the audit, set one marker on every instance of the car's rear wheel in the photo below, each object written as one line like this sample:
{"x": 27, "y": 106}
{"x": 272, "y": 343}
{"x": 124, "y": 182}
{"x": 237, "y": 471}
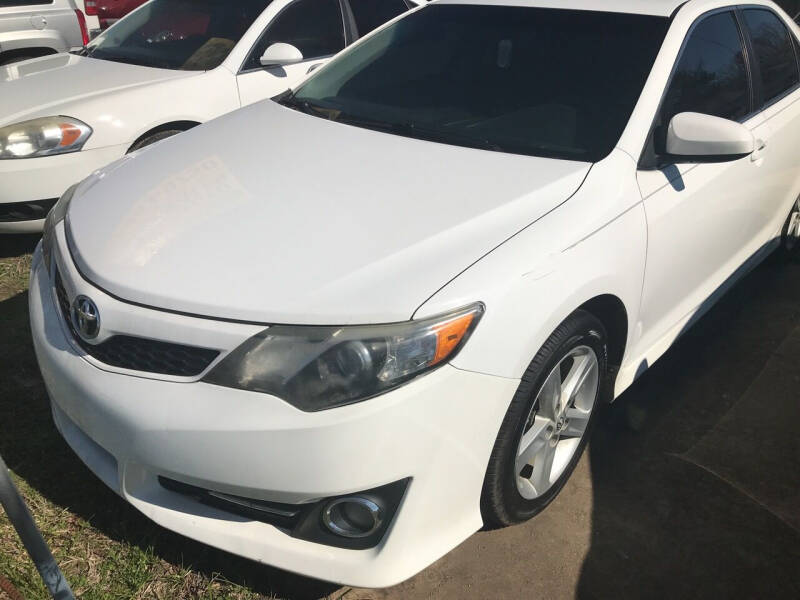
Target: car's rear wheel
{"x": 548, "y": 422}
{"x": 790, "y": 236}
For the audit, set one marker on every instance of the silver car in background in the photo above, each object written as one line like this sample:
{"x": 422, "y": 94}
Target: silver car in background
{"x": 31, "y": 28}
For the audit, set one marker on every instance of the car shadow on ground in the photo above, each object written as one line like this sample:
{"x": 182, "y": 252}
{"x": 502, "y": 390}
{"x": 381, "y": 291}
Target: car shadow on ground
{"x": 696, "y": 474}
{"x": 17, "y": 245}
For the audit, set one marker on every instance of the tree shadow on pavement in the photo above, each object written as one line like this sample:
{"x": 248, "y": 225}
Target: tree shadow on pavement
{"x": 35, "y": 451}
{"x": 689, "y": 470}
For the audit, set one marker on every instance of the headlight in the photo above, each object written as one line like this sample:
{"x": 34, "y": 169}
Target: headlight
{"x": 43, "y": 137}
{"x": 54, "y": 217}
{"x": 315, "y": 368}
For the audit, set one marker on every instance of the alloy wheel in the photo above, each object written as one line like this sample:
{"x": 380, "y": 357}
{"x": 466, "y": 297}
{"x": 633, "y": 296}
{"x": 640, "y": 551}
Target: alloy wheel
{"x": 557, "y": 422}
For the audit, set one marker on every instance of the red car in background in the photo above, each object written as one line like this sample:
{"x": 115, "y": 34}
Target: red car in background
{"x": 109, "y": 11}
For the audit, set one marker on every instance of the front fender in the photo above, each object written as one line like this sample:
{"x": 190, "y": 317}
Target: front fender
{"x": 593, "y": 244}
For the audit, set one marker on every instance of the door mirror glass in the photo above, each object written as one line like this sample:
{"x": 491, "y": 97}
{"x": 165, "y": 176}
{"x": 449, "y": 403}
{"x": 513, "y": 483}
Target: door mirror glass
{"x": 280, "y": 54}
{"x": 695, "y": 137}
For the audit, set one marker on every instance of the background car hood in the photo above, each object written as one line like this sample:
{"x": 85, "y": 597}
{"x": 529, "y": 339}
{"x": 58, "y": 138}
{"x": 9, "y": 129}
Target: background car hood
{"x": 46, "y": 86}
{"x": 274, "y": 216}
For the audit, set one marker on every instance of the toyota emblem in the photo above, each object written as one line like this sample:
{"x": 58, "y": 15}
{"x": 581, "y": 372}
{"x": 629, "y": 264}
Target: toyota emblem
{"x": 85, "y": 318}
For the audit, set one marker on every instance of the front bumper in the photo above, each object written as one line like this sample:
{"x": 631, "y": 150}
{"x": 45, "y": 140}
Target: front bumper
{"x": 438, "y": 430}
{"x": 35, "y": 180}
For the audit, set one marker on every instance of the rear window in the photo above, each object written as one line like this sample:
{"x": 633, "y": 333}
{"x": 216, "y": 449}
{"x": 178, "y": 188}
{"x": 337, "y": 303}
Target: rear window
{"x": 371, "y": 14}
{"x": 774, "y": 53}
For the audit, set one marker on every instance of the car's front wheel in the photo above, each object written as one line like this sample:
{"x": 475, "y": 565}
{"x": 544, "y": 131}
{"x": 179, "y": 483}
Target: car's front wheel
{"x": 548, "y": 422}
{"x": 152, "y": 139}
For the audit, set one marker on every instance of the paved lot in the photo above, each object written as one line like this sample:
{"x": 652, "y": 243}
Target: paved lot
{"x": 690, "y": 488}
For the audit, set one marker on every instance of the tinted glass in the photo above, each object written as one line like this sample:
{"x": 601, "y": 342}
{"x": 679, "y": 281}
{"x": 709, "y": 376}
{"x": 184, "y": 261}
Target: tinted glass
{"x": 314, "y": 27}
{"x": 543, "y": 82}
{"x": 711, "y": 76}
{"x": 774, "y": 52}
{"x": 371, "y": 14}
{"x": 190, "y": 35}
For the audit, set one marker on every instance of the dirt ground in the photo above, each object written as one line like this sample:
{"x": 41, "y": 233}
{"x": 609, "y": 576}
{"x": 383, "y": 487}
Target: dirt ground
{"x": 690, "y": 487}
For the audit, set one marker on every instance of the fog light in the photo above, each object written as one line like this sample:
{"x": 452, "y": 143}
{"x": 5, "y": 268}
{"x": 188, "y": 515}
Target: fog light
{"x": 352, "y": 517}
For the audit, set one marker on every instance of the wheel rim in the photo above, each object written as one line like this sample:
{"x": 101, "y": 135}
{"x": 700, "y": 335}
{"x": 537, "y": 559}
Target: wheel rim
{"x": 792, "y": 237}
{"x": 557, "y": 422}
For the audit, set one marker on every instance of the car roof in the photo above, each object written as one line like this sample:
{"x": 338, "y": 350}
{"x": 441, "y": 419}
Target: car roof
{"x": 663, "y": 8}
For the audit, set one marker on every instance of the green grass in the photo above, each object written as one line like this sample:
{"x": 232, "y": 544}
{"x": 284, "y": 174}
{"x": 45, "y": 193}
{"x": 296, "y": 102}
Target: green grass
{"x": 106, "y": 548}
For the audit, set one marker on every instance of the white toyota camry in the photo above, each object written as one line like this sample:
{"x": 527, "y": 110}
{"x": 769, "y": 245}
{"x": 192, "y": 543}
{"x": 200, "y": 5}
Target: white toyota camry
{"x": 340, "y": 331}
{"x": 163, "y": 69}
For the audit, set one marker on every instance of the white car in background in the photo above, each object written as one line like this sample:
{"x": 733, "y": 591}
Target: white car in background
{"x": 166, "y": 67}
{"x": 33, "y": 28}
{"x": 340, "y": 331}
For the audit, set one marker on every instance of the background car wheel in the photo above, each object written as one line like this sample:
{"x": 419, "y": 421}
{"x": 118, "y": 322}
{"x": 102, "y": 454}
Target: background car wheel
{"x": 7, "y": 60}
{"x": 152, "y": 139}
{"x": 790, "y": 236}
{"x": 548, "y": 422}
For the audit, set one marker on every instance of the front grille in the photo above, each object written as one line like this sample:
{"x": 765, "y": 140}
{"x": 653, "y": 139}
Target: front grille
{"x": 14, "y": 212}
{"x": 140, "y": 354}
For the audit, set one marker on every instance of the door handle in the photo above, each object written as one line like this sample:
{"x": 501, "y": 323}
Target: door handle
{"x": 758, "y": 153}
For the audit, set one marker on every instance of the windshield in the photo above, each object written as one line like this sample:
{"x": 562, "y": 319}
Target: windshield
{"x": 542, "y": 82}
{"x": 189, "y": 35}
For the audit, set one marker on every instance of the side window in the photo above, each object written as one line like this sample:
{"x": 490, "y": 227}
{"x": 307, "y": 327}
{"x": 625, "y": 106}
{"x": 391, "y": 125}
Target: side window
{"x": 315, "y": 27}
{"x": 774, "y": 52}
{"x": 711, "y": 76}
{"x": 371, "y": 14}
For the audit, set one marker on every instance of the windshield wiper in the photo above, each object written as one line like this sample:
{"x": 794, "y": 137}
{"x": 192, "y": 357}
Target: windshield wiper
{"x": 421, "y": 132}
{"x": 291, "y": 101}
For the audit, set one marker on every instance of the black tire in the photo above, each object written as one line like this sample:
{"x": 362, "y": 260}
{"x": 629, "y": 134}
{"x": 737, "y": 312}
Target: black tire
{"x": 790, "y": 245}
{"x": 501, "y": 502}
{"x": 17, "y": 58}
{"x": 152, "y": 139}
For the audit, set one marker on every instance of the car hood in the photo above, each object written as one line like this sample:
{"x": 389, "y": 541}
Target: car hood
{"x": 49, "y": 85}
{"x": 269, "y": 215}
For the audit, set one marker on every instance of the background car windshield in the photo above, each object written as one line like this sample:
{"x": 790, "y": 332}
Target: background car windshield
{"x": 542, "y": 82}
{"x": 190, "y": 35}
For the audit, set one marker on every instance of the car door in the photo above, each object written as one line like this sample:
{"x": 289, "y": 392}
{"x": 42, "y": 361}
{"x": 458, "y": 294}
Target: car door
{"x": 315, "y": 27}
{"x": 776, "y": 71}
{"x": 704, "y": 220}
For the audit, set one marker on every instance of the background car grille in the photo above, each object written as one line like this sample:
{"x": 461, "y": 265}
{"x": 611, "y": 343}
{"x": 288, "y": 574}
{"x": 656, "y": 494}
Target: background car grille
{"x": 140, "y": 354}
{"x": 11, "y": 212}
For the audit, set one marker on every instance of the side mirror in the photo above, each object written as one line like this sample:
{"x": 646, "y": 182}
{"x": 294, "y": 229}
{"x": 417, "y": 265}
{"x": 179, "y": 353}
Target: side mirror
{"x": 280, "y": 54}
{"x": 695, "y": 137}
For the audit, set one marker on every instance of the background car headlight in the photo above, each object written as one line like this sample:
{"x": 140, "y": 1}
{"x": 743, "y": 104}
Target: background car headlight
{"x": 43, "y": 137}
{"x": 314, "y": 368}
{"x": 57, "y": 214}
